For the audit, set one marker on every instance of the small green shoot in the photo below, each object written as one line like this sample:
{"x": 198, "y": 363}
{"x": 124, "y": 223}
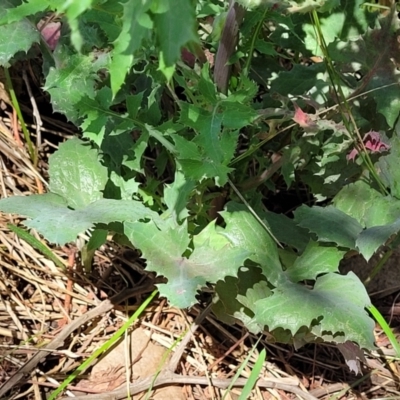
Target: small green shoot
{"x": 255, "y": 373}
{"x": 386, "y": 328}
{"x": 243, "y": 366}
{"x": 15, "y": 103}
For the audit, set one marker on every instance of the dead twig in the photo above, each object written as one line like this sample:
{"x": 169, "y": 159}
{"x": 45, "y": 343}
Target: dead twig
{"x": 227, "y": 45}
{"x": 174, "y": 361}
{"x": 170, "y": 378}
{"x": 229, "y": 351}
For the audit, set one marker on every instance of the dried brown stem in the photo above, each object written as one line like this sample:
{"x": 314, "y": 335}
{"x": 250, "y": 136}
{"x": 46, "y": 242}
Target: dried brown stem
{"x": 170, "y": 378}
{"x": 227, "y": 45}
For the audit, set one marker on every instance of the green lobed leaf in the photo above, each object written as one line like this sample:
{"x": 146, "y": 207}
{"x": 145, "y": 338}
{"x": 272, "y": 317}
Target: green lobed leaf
{"x": 212, "y": 258}
{"x": 287, "y": 231}
{"x": 15, "y": 36}
{"x": 96, "y": 114}
{"x": 315, "y": 260}
{"x": 244, "y": 231}
{"x": 372, "y": 239}
{"x": 106, "y": 15}
{"x": 190, "y": 261}
{"x": 234, "y": 293}
{"x": 172, "y": 32}
{"x": 206, "y": 85}
{"x": 387, "y": 99}
{"x": 388, "y": 167}
{"x": 355, "y": 199}
{"x": 366, "y": 56}
{"x": 287, "y": 257}
{"x": 176, "y": 196}
{"x": 136, "y": 24}
{"x": 366, "y": 205}
{"x": 52, "y": 218}
{"x": 160, "y": 137}
{"x": 385, "y": 211}
{"x": 209, "y": 161}
{"x": 202, "y": 169}
{"x": 329, "y": 224}
{"x": 288, "y": 32}
{"x": 11, "y": 14}
{"x": 216, "y": 146}
{"x": 226, "y": 301}
{"x": 236, "y": 115}
{"x": 347, "y": 22}
{"x": 133, "y": 157}
{"x": 326, "y": 181}
{"x": 301, "y": 80}
{"x": 264, "y": 47}
{"x": 337, "y": 302}
{"x": 126, "y": 189}
{"x": 73, "y": 78}
{"x": 133, "y": 104}
{"x": 207, "y": 9}
{"x": 91, "y": 37}
{"x": 72, "y": 11}
{"x": 386, "y": 77}
{"x": 245, "y": 91}
{"x": 32, "y": 206}
{"x": 187, "y": 148}
{"x": 118, "y": 146}
{"x": 77, "y": 174}
{"x": 200, "y": 120}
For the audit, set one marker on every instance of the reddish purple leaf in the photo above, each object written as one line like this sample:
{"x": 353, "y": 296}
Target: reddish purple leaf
{"x": 372, "y": 141}
{"x": 305, "y": 120}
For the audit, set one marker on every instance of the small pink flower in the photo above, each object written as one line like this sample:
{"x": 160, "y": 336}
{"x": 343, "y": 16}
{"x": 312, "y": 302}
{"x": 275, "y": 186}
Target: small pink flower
{"x": 372, "y": 141}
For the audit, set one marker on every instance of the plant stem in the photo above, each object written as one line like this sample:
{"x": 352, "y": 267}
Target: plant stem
{"x": 253, "y": 43}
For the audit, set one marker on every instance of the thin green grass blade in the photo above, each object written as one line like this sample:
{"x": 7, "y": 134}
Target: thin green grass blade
{"x": 240, "y": 369}
{"x": 386, "y": 328}
{"x": 14, "y": 100}
{"x": 248, "y": 387}
{"x": 36, "y": 244}
{"x": 104, "y": 347}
